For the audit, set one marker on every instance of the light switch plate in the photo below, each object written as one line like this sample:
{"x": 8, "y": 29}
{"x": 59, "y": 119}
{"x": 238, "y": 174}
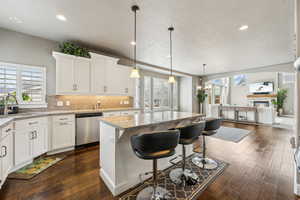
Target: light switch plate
{"x": 60, "y": 103}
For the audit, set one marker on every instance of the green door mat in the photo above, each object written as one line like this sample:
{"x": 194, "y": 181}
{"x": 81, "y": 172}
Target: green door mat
{"x": 36, "y": 167}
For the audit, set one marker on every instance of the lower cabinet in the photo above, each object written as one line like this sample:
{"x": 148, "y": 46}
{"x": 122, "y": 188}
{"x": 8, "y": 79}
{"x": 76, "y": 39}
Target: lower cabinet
{"x": 31, "y": 139}
{"x": 6, "y": 152}
{"x": 63, "y": 132}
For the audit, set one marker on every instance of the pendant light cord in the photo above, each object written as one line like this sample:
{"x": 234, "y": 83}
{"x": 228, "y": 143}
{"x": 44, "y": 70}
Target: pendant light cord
{"x": 134, "y": 10}
{"x": 171, "y": 51}
{"x": 171, "y": 56}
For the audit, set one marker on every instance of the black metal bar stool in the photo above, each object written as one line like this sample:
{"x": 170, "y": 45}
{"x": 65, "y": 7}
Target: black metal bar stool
{"x": 211, "y": 127}
{"x": 153, "y": 146}
{"x": 188, "y": 135}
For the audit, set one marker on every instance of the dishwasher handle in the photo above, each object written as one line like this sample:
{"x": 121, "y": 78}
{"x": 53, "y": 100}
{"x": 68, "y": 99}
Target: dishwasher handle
{"x": 83, "y": 115}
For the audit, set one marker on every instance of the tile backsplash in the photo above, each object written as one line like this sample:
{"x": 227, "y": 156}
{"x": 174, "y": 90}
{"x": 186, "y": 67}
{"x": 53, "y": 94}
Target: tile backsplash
{"x": 67, "y": 102}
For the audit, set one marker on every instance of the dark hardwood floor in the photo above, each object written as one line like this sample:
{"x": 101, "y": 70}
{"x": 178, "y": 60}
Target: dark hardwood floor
{"x": 261, "y": 168}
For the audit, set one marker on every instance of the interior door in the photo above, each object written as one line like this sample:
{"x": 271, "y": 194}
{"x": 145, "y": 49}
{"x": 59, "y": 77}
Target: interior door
{"x": 98, "y": 74}
{"x": 82, "y": 75}
{"x": 23, "y": 142}
{"x": 64, "y": 74}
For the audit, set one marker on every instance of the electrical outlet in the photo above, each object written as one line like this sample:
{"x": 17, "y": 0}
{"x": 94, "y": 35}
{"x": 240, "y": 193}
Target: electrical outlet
{"x": 68, "y": 103}
{"x": 60, "y": 103}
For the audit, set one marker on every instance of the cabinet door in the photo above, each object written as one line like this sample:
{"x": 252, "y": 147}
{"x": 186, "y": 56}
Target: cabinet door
{"x": 23, "y": 142}
{"x": 63, "y": 135}
{"x": 6, "y": 154}
{"x": 128, "y": 84}
{"x": 64, "y": 74}
{"x": 98, "y": 74}
{"x": 40, "y": 142}
{"x": 82, "y": 75}
{"x": 114, "y": 78}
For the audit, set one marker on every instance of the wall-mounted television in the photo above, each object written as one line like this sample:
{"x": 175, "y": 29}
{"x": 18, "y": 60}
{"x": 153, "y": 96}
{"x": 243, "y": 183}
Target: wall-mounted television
{"x": 261, "y": 88}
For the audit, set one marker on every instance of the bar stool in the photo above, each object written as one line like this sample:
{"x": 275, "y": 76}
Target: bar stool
{"x": 211, "y": 127}
{"x": 153, "y": 146}
{"x": 188, "y": 135}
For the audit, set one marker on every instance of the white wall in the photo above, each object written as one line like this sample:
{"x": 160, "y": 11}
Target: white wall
{"x": 25, "y": 49}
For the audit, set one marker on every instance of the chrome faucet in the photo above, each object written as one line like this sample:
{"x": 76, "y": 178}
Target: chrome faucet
{"x": 6, "y": 99}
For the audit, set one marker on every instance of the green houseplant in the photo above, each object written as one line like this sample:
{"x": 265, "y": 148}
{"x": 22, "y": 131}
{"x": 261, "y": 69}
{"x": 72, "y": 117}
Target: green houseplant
{"x": 280, "y": 98}
{"x": 73, "y": 49}
{"x": 201, "y": 96}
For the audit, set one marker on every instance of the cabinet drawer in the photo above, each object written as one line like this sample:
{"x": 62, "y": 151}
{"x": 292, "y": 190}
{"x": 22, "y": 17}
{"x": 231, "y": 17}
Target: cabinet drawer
{"x": 130, "y": 112}
{"x": 63, "y": 118}
{"x": 6, "y": 130}
{"x": 30, "y": 123}
{"x": 111, "y": 114}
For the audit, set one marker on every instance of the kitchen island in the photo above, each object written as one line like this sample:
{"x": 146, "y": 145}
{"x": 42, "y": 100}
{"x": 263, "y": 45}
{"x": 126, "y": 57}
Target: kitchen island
{"x": 119, "y": 167}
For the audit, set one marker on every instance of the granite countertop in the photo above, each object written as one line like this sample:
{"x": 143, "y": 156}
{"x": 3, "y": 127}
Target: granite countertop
{"x": 145, "y": 119}
{"x": 5, "y": 119}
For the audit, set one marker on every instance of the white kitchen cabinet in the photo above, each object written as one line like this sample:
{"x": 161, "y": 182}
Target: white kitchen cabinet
{"x": 31, "y": 139}
{"x": 110, "y": 78}
{"x": 6, "y": 152}
{"x": 98, "y": 73}
{"x": 72, "y": 74}
{"x": 63, "y": 132}
{"x": 82, "y": 75}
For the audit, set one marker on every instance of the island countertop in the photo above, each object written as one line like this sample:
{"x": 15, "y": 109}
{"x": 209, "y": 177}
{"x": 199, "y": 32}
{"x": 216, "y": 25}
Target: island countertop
{"x": 148, "y": 118}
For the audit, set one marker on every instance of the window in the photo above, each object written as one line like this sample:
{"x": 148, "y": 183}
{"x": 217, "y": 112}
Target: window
{"x": 158, "y": 94}
{"x": 25, "y": 82}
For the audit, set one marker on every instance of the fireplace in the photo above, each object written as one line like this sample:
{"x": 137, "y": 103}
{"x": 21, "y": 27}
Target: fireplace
{"x": 261, "y": 103}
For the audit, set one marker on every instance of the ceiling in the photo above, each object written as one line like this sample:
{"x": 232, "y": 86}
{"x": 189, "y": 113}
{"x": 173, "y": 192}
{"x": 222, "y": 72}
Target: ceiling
{"x": 206, "y": 31}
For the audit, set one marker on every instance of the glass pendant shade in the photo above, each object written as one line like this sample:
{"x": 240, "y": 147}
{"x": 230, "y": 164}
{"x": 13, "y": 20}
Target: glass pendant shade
{"x": 171, "y": 79}
{"x": 135, "y": 73}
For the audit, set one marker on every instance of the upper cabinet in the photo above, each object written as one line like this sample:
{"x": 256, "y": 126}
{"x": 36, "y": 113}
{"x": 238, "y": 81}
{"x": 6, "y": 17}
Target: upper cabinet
{"x": 110, "y": 78}
{"x": 100, "y": 75}
{"x": 72, "y": 74}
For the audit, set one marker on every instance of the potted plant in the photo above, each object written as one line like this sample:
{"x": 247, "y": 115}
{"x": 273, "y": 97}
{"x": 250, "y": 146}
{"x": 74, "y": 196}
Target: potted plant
{"x": 201, "y": 96}
{"x": 73, "y": 49}
{"x": 280, "y": 98}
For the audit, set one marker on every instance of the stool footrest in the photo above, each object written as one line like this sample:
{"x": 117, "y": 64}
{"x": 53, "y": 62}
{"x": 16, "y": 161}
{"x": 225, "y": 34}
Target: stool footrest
{"x": 172, "y": 160}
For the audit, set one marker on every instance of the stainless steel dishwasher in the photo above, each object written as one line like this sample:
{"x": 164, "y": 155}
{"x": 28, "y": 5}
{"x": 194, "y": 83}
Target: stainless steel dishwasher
{"x": 87, "y": 128}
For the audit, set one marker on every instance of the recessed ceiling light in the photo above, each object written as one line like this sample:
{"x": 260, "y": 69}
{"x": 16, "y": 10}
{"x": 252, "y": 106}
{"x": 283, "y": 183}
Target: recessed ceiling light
{"x": 244, "y": 27}
{"x": 133, "y": 43}
{"x": 15, "y": 20}
{"x": 61, "y": 18}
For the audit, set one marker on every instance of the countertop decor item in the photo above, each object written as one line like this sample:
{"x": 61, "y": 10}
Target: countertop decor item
{"x": 74, "y": 49}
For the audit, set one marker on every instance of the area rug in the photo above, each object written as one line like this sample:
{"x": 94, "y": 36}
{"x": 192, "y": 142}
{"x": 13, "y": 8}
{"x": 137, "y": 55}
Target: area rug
{"x": 231, "y": 134}
{"x": 178, "y": 192}
{"x": 38, "y": 166}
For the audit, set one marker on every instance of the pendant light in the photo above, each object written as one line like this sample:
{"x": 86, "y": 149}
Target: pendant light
{"x": 135, "y": 71}
{"x": 171, "y": 77}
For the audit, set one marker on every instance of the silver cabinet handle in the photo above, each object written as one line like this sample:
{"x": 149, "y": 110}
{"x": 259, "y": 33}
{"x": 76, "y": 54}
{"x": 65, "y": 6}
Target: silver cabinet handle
{"x": 5, "y": 151}
{"x": 126, "y": 90}
{"x": 35, "y": 134}
{"x": 63, "y": 118}
{"x": 32, "y": 123}
{"x": 74, "y": 86}
{"x": 31, "y": 137}
{"x": 63, "y": 123}
{"x": 7, "y": 130}
{"x": 105, "y": 88}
